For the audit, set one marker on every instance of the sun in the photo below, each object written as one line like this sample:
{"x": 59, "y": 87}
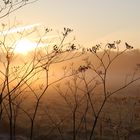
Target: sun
{"x": 24, "y": 46}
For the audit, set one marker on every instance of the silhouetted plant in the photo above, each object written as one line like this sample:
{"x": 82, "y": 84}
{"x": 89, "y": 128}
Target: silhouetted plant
{"x": 92, "y": 76}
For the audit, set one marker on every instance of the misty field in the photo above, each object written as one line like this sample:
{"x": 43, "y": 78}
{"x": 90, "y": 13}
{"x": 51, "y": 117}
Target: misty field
{"x": 120, "y": 119}
{"x": 71, "y": 106}
{"x": 69, "y": 70}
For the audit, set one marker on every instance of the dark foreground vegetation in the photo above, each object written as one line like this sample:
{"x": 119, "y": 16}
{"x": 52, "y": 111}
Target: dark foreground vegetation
{"x": 64, "y": 91}
{"x": 71, "y": 93}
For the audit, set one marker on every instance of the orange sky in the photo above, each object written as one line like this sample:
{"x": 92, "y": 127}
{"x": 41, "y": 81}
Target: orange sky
{"x": 92, "y": 20}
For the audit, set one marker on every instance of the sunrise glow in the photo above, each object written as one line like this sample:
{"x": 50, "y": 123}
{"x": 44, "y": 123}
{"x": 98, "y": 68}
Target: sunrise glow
{"x": 70, "y": 70}
{"x": 24, "y": 46}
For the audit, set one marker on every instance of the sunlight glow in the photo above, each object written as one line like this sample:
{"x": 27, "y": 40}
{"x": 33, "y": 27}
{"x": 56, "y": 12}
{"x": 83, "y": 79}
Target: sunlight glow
{"x": 24, "y": 46}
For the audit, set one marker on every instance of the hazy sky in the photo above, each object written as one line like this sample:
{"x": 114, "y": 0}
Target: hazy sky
{"x": 92, "y": 20}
